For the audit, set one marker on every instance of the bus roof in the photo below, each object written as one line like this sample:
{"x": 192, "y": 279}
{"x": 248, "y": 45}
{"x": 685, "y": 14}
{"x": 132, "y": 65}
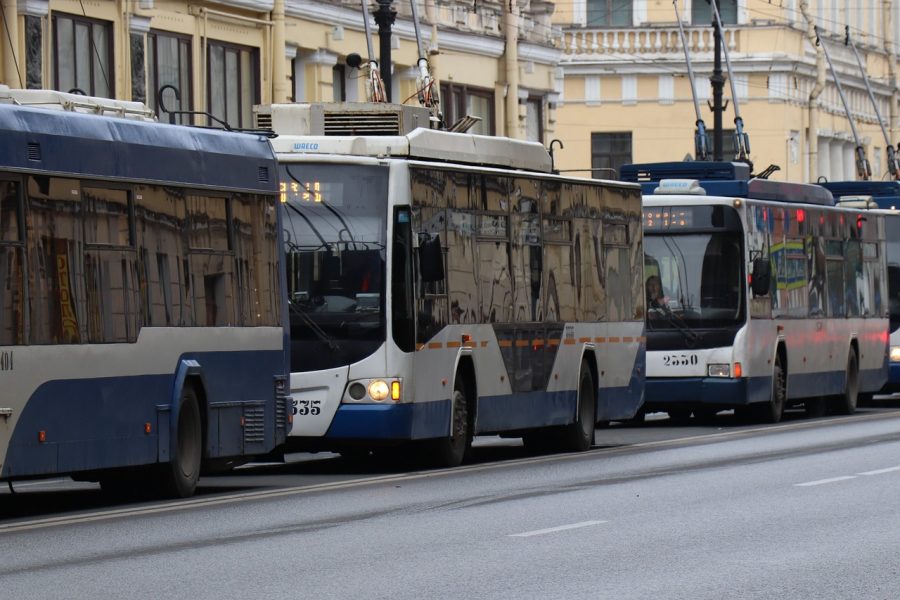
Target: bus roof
{"x": 885, "y": 193}
{"x": 105, "y": 147}
{"x": 709, "y": 178}
{"x": 425, "y": 144}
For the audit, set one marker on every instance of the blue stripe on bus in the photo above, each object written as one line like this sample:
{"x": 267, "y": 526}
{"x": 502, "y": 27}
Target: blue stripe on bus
{"x": 666, "y": 391}
{"x": 424, "y": 420}
{"x": 98, "y": 423}
{"x": 893, "y": 382}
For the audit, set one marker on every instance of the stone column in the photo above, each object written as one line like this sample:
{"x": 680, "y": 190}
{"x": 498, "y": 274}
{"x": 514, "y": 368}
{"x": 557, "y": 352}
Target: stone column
{"x": 138, "y": 27}
{"x": 35, "y": 13}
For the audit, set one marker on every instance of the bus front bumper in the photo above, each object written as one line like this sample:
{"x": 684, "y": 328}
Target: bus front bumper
{"x": 662, "y": 392}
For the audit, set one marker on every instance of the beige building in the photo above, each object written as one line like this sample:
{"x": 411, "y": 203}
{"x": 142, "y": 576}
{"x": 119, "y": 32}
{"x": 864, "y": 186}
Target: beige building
{"x": 605, "y": 77}
{"x": 626, "y": 94}
{"x": 225, "y": 56}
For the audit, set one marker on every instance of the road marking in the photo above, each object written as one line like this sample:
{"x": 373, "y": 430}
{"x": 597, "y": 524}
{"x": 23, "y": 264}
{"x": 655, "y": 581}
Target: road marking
{"x": 560, "y": 528}
{"x": 236, "y": 498}
{"x": 880, "y": 471}
{"x": 824, "y": 481}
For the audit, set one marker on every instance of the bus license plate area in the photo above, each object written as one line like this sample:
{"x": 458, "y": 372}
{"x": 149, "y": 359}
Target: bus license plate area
{"x": 680, "y": 359}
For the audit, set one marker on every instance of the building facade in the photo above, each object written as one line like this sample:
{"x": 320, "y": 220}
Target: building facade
{"x": 625, "y": 75}
{"x": 493, "y": 60}
{"x": 605, "y": 77}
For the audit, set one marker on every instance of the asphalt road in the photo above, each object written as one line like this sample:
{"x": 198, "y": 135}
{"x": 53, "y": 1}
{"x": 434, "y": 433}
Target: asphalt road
{"x": 803, "y": 509}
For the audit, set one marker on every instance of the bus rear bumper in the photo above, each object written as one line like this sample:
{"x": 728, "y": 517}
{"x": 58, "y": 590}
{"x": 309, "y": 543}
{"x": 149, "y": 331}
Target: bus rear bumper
{"x": 662, "y": 392}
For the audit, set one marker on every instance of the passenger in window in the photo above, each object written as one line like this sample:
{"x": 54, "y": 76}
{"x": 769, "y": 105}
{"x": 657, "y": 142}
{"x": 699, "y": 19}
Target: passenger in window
{"x": 655, "y": 297}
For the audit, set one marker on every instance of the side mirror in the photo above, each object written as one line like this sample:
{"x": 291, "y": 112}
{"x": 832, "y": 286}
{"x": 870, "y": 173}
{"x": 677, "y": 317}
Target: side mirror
{"x": 431, "y": 258}
{"x": 761, "y": 276}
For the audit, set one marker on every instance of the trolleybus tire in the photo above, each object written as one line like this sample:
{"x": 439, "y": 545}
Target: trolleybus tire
{"x": 579, "y": 436}
{"x": 178, "y": 477}
{"x": 452, "y": 450}
{"x": 845, "y": 404}
{"x": 773, "y": 410}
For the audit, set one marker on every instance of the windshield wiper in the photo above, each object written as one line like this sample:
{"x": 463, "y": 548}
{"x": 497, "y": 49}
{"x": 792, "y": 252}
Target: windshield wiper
{"x": 690, "y": 336}
{"x": 320, "y": 333}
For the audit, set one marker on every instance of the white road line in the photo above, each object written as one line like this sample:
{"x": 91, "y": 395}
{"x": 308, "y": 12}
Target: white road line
{"x": 560, "y": 528}
{"x": 824, "y": 481}
{"x": 880, "y": 471}
{"x": 298, "y": 490}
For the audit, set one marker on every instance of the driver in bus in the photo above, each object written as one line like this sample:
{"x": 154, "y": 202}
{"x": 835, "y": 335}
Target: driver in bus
{"x": 655, "y": 297}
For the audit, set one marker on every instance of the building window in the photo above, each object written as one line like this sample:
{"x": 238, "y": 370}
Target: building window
{"x": 534, "y": 119}
{"x": 702, "y": 14}
{"x": 459, "y": 101}
{"x": 609, "y": 12}
{"x": 169, "y": 63}
{"x": 233, "y": 83}
{"x": 82, "y": 55}
{"x": 339, "y": 83}
{"x": 609, "y": 151}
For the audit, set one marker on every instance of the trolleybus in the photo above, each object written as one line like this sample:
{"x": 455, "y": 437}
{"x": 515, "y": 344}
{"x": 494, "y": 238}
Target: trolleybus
{"x": 444, "y": 285}
{"x": 761, "y": 294}
{"x": 141, "y": 321}
{"x": 886, "y": 196}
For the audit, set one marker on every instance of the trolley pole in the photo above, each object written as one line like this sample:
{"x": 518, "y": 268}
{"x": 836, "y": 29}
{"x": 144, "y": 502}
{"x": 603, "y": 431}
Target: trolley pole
{"x": 718, "y": 84}
{"x": 384, "y": 17}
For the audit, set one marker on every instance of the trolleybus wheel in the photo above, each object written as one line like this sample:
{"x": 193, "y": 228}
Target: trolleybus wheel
{"x": 845, "y": 404}
{"x": 450, "y": 451}
{"x": 579, "y": 436}
{"x": 773, "y": 410}
{"x": 179, "y": 476}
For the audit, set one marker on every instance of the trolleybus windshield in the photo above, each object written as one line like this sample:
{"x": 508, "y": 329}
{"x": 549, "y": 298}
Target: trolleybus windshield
{"x": 693, "y": 279}
{"x": 335, "y": 225}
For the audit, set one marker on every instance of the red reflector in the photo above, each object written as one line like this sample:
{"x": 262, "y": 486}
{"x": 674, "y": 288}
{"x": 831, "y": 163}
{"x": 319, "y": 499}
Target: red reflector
{"x": 243, "y": 421}
{"x": 147, "y": 428}
{"x": 42, "y": 436}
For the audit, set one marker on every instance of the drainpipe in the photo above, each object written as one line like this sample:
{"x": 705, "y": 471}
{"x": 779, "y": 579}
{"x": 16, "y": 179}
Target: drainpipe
{"x": 511, "y": 23}
{"x": 892, "y": 65}
{"x": 812, "y": 137}
{"x": 12, "y": 74}
{"x": 280, "y": 92}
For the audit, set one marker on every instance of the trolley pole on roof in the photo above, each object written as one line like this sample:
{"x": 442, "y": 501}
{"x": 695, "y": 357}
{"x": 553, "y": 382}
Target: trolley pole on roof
{"x": 892, "y": 162}
{"x": 701, "y": 139}
{"x": 863, "y": 171}
{"x": 718, "y": 84}
{"x": 384, "y": 17}
{"x": 741, "y": 139}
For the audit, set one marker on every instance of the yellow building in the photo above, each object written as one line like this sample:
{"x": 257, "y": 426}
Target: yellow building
{"x": 607, "y": 78}
{"x": 626, "y": 94}
{"x": 225, "y": 56}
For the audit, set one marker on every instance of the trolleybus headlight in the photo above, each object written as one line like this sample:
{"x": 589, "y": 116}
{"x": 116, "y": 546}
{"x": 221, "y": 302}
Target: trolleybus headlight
{"x": 357, "y": 391}
{"x": 719, "y": 370}
{"x": 379, "y": 390}
{"x": 895, "y": 353}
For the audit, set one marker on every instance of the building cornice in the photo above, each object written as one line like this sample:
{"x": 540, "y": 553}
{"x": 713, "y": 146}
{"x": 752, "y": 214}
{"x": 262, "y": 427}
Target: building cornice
{"x": 449, "y": 40}
{"x": 253, "y": 5}
{"x": 33, "y": 8}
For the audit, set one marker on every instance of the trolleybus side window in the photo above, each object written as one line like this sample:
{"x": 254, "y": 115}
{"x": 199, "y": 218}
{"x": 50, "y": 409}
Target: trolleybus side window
{"x": 12, "y": 266}
{"x": 402, "y": 305}
{"x": 110, "y": 290}
{"x": 54, "y": 234}
{"x": 211, "y": 263}
{"x": 160, "y": 225}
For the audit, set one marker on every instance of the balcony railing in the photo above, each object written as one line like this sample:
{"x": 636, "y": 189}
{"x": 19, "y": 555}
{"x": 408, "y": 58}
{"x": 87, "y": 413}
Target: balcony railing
{"x": 591, "y": 43}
